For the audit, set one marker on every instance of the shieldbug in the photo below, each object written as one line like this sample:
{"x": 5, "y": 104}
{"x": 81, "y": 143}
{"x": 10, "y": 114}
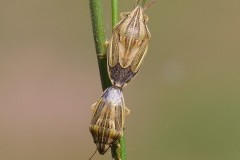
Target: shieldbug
{"x": 128, "y": 46}
{"x": 108, "y": 118}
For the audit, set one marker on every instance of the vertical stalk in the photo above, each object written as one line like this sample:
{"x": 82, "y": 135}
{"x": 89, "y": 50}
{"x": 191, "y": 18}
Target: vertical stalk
{"x": 118, "y": 152}
{"x": 114, "y": 12}
{"x": 119, "y": 149}
{"x": 99, "y": 39}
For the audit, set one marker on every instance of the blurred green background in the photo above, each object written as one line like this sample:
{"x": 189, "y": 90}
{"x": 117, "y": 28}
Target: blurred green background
{"x": 184, "y": 102}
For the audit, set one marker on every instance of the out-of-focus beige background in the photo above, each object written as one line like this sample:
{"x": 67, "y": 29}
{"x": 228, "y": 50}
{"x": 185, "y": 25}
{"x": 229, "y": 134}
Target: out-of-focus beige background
{"x": 184, "y": 103}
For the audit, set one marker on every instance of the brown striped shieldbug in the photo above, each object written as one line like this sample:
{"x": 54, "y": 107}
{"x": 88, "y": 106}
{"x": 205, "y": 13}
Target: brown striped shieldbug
{"x": 108, "y": 118}
{"x": 128, "y": 46}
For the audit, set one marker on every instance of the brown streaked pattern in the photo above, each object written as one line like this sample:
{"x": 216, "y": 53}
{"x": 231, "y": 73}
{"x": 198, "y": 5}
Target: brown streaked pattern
{"x": 128, "y": 46}
{"x": 108, "y": 119}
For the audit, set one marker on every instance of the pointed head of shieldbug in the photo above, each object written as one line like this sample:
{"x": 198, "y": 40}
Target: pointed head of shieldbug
{"x": 128, "y": 46}
{"x": 108, "y": 119}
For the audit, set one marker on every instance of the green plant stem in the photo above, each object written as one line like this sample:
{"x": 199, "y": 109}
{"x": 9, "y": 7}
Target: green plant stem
{"x": 118, "y": 151}
{"x": 114, "y": 12}
{"x": 99, "y": 39}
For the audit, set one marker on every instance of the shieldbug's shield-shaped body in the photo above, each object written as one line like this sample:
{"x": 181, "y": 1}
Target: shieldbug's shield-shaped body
{"x": 108, "y": 119}
{"x": 128, "y": 46}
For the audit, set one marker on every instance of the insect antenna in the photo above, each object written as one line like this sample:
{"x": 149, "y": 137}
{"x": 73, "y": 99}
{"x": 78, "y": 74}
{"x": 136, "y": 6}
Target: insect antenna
{"x": 93, "y": 154}
{"x": 147, "y": 6}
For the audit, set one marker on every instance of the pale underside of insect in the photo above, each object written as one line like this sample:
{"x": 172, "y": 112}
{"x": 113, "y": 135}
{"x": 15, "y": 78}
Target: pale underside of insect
{"x": 108, "y": 119}
{"x": 128, "y": 46}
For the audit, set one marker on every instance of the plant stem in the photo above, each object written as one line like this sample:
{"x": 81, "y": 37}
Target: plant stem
{"x": 114, "y": 12}
{"x": 99, "y": 39}
{"x": 119, "y": 149}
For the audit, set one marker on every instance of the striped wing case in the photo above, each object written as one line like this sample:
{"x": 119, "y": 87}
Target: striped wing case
{"x": 128, "y": 46}
{"x": 108, "y": 119}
